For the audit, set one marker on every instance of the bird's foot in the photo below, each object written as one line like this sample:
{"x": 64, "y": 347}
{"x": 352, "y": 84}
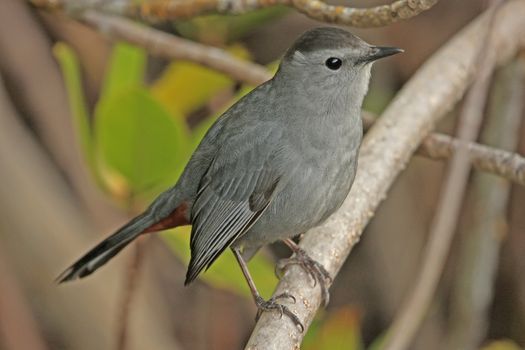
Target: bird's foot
{"x": 316, "y": 271}
{"x": 271, "y": 305}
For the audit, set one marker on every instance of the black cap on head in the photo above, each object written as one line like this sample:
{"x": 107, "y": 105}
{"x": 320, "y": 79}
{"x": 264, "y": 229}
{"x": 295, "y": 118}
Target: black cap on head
{"x": 326, "y": 38}
{"x": 332, "y": 38}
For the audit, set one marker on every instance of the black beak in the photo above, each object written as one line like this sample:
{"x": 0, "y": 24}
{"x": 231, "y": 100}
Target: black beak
{"x": 377, "y": 52}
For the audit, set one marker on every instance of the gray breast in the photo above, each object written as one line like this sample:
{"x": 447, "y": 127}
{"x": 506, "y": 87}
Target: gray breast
{"x": 317, "y": 187}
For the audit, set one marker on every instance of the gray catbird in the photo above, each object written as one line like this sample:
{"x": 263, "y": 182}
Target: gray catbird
{"x": 276, "y": 164}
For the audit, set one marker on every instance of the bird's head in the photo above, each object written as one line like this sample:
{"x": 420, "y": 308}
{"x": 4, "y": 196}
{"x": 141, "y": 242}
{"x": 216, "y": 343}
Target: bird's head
{"x": 328, "y": 58}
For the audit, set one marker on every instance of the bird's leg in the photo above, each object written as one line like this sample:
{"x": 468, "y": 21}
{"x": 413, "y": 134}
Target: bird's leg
{"x": 270, "y": 304}
{"x": 314, "y": 269}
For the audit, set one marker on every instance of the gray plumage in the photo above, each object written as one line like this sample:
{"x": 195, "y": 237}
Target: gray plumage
{"x": 276, "y": 164}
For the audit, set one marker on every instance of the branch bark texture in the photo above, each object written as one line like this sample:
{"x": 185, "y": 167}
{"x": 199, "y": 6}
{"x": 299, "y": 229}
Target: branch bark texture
{"x": 172, "y": 47}
{"x": 169, "y": 10}
{"x": 478, "y": 260}
{"x": 443, "y": 226}
{"x": 370, "y": 17}
{"x": 437, "y": 146}
{"x": 386, "y": 149}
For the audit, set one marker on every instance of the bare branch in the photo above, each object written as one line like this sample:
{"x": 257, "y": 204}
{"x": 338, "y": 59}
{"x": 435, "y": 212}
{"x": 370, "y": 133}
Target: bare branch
{"x": 443, "y": 227}
{"x": 484, "y": 158}
{"x": 386, "y": 150}
{"x": 168, "y": 10}
{"x": 172, "y": 47}
{"x": 372, "y": 17}
{"x": 491, "y": 160}
{"x": 476, "y": 268}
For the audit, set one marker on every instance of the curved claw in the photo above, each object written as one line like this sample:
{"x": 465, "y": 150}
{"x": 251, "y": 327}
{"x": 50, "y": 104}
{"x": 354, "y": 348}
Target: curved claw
{"x": 269, "y": 305}
{"x": 314, "y": 269}
{"x": 283, "y": 296}
{"x": 279, "y": 269}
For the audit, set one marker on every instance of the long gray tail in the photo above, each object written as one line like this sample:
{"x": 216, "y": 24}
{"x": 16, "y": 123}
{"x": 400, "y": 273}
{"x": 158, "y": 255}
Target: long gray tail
{"x": 107, "y": 249}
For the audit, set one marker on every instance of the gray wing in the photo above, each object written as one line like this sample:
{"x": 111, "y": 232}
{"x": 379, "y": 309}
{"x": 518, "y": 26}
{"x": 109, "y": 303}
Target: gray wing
{"x": 248, "y": 167}
{"x": 229, "y": 202}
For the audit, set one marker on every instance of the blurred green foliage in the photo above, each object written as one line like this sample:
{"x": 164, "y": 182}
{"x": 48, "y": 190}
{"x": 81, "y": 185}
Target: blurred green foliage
{"x": 73, "y": 82}
{"x": 338, "y": 330}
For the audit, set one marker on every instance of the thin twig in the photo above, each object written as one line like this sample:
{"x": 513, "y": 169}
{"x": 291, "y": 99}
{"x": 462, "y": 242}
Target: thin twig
{"x": 499, "y": 162}
{"x": 169, "y": 10}
{"x": 485, "y": 158}
{"x": 170, "y": 46}
{"x": 130, "y": 286}
{"x": 412, "y": 313}
{"x": 385, "y": 152}
{"x": 474, "y": 282}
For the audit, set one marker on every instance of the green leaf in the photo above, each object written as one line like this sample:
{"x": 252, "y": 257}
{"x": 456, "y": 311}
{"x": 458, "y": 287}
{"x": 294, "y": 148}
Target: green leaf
{"x": 201, "y": 129}
{"x": 185, "y": 86}
{"x": 138, "y": 142}
{"x": 339, "y": 330}
{"x": 225, "y": 272}
{"x": 377, "y": 98}
{"x": 125, "y": 69}
{"x": 73, "y": 81}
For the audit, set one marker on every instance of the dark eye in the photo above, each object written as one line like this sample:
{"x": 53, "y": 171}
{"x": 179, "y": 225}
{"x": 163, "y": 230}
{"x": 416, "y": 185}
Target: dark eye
{"x": 334, "y": 63}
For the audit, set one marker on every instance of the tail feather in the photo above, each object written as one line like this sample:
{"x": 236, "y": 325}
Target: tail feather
{"x": 107, "y": 249}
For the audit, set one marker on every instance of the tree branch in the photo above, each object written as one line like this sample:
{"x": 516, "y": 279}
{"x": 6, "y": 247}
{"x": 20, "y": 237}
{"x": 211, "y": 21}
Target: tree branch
{"x": 385, "y": 151}
{"x": 476, "y": 268}
{"x": 491, "y": 160}
{"x": 170, "y": 46}
{"x": 443, "y": 226}
{"x": 169, "y": 10}
{"x": 499, "y": 162}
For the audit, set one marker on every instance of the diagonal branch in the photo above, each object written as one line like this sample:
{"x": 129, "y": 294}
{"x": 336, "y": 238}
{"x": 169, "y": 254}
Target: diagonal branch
{"x": 481, "y": 240}
{"x": 443, "y": 226}
{"x": 169, "y": 10}
{"x": 386, "y": 150}
{"x": 170, "y": 46}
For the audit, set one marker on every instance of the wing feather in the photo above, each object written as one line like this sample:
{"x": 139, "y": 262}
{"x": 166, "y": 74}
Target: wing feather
{"x": 222, "y": 212}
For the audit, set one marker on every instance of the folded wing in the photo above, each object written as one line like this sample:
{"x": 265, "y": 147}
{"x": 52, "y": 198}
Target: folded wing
{"x": 229, "y": 202}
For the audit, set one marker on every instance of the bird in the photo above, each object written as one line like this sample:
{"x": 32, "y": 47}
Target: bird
{"x": 277, "y": 163}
